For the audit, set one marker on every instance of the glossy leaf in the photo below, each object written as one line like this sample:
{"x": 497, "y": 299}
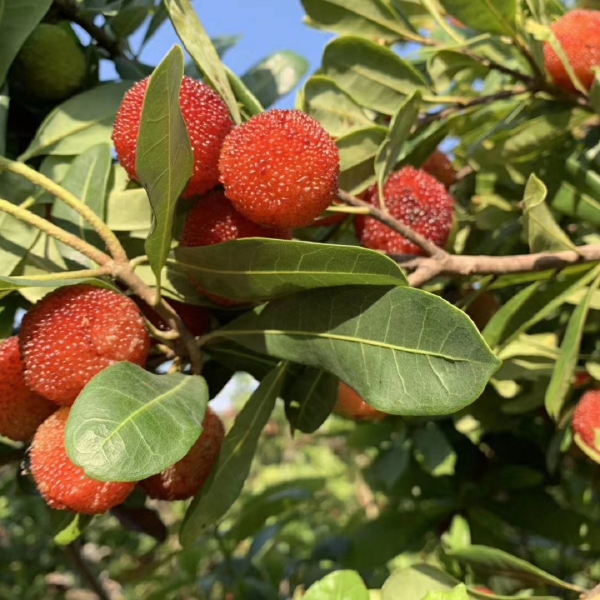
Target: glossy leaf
{"x": 249, "y": 104}
{"x": 400, "y": 126}
{"x": 543, "y": 233}
{"x": 498, "y": 561}
{"x": 416, "y": 582}
{"x": 87, "y": 179}
{"x": 128, "y": 424}
{"x": 403, "y": 350}
{"x": 494, "y": 16}
{"x": 199, "y": 46}
{"x": 18, "y": 20}
{"x": 373, "y": 76}
{"x": 164, "y": 160}
{"x": 275, "y": 76}
{"x": 79, "y": 123}
{"x": 259, "y": 269}
{"x": 309, "y": 398}
{"x": 229, "y": 474}
{"x": 50, "y": 280}
{"x": 560, "y": 383}
{"x": 332, "y": 107}
{"x": 129, "y": 210}
{"x": 339, "y": 584}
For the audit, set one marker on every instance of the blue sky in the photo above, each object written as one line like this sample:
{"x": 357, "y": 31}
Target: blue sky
{"x": 265, "y": 26}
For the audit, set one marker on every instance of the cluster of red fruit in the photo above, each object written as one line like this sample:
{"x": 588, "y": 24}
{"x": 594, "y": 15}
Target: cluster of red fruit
{"x": 276, "y": 172}
{"x": 66, "y": 339}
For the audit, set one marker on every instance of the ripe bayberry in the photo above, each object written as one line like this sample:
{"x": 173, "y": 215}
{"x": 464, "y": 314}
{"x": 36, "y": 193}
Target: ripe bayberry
{"x": 350, "y": 405}
{"x": 281, "y": 168}
{"x": 586, "y": 419}
{"x": 416, "y": 199}
{"x": 207, "y": 120}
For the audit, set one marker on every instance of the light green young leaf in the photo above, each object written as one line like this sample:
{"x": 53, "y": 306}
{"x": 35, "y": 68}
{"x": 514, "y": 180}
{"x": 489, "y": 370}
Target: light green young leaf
{"x": 560, "y": 383}
{"x": 543, "y": 233}
{"x": 164, "y": 161}
{"x": 201, "y": 49}
{"x": 18, "y": 19}
{"x": 373, "y": 76}
{"x": 344, "y": 585}
{"x": 403, "y": 350}
{"x": 229, "y": 474}
{"x": 128, "y": 424}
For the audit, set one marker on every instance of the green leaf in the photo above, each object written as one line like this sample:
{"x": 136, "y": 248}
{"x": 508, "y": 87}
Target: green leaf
{"x": 259, "y": 269}
{"x": 249, "y": 104}
{"x": 560, "y": 383}
{"x": 71, "y": 530}
{"x": 129, "y": 19}
{"x": 275, "y": 76}
{"x": 494, "y": 16}
{"x": 332, "y": 107}
{"x": 404, "y": 351}
{"x": 128, "y": 424}
{"x": 373, "y": 76}
{"x": 223, "y": 43}
{"x": 458, "y": 534}
{"x": 357, "y": 158}
{"x": 165, "y": 161}
{"x": 416, "y": 582}
{"x": 79, "y": 123}
{"x": 433, "y": 450}
{"x": 4, "y": 104}
{"x": 16, "y": 240}
{"x": 391, "y": 148}
{"x": 19, "y": 19}
{"x": 458, "y": 593}
{"x": 498, "y": 561}
{"x": 200, "y": 48}
{"x": 129, "y": 210}
{"x": 309, "y": 398}
{"x": 373, "y": 19}
{"x": 229, "y": 474}
{"x": 533, "y": 304}
{"x": 343, "y": 585}
{"x": 87, "y": 179}
{"x": 542, "y": 231}
{"x": 50, "y": 280}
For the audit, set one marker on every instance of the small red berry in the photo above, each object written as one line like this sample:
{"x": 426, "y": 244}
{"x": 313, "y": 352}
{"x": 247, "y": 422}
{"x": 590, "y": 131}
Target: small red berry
{"x": 281, "y": 168}
{"x": 75, "y": 332}
{"x": 187, "y": 476}
{"x": 578, "y": 33}
{"x": 64, "y": 485}
{"x": 214, "y": 220}
{"x": 586, "y": 419}
{"x": 416, "y": 199}
{"x": 21, "y": 410}
{"x": 207, "y": 120}
{"x": 439, "y": 166}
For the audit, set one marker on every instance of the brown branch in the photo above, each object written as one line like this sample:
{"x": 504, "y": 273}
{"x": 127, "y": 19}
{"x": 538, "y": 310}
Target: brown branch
{"x": 71, "y": 12}
{"x": 384, "y": 217}
{"x": 74, "y": 555}
{"x": 426, "y": 268}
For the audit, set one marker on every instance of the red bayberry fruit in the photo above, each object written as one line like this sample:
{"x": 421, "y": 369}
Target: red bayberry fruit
{"x": 578, "y": 33}
{"x": 586, "y": 419}
{"x": 21, "y": 410}
{"x": 207, "y": 120}
{"x": 350, "y": 405}
{"x": 75, "y": 332}
{"x": 64, "y": 485}
{"x": 213, "y": 220}
{"x": 439, "y": 166}
{"x": 416, "y": 199}
{"x": 195, "y": 318}
{"x": 281, "y": 168}
{"x": 187, "y": 476}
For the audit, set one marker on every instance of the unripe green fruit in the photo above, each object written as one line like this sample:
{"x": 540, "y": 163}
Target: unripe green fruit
{"x": 51, "y": 64}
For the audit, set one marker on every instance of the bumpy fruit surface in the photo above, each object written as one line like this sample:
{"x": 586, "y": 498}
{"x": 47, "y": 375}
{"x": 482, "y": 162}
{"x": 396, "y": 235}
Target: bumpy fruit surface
{"x": 586, "y": 419}
{"x": 21, "y": 410}
{"x": 195, "y": 318}
{"x": 578, "y": 33}
{"x": 416, "y": 199}
{"x": 207, "y": 120}
{"x": 281, "y": 168}
{"x": 63, "y": 485}
{"x": 51, "y": 64}
{"x": 75, "y": 332}
{"x": 214, "y": 220}
{"x": 439, "y": 166}
{"x": 187, "y": 476}
{"x": 350, "y": 405}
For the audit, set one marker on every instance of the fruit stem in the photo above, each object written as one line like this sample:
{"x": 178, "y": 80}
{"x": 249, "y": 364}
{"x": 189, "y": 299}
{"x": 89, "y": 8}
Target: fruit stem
{"x": 52, "y": 230}
{"x": 110, "y": 239}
